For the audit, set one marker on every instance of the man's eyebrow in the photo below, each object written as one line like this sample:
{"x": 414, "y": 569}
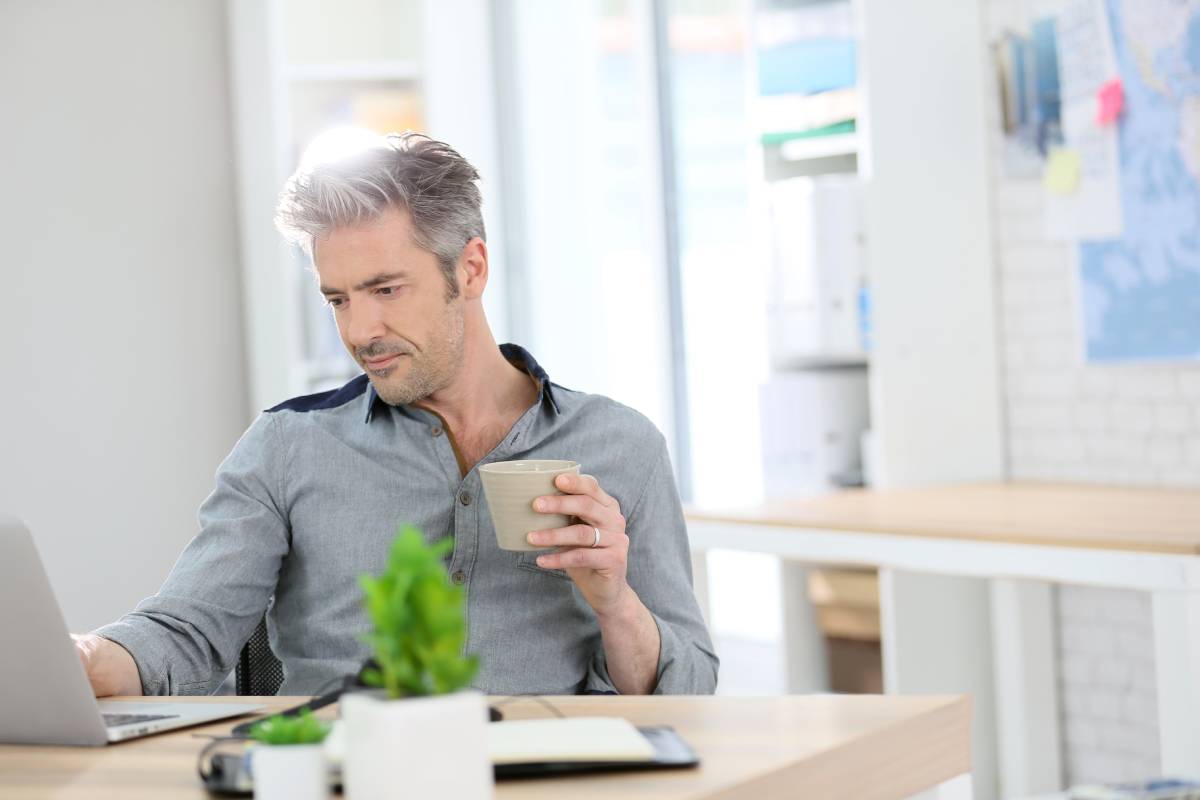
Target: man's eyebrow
{"x": 369, "y": 283}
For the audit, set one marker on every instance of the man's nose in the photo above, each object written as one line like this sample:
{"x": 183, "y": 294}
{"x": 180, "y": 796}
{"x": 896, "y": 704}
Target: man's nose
{"x": 364, "y": 326}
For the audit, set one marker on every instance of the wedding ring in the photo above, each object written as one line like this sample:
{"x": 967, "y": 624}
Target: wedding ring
{"x": 597, "y": 542}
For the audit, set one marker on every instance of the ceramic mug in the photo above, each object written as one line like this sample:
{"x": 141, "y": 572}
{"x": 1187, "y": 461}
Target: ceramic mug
{"x": 511, "y": 487}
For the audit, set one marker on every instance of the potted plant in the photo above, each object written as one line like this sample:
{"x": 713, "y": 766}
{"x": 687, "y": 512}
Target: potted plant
{"x": 420, "y": 733}
{"x": 288, "y": 761}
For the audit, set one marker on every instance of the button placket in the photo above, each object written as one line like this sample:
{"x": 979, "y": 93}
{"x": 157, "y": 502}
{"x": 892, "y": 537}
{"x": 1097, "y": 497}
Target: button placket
{"x": 440, "y": 444}
{"x": 466, "y": 530}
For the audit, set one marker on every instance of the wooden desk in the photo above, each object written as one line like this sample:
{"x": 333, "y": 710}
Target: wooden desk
{"x": 1164, "y": 521}
{"x": 816, "y": 746}
{"x": 966, "y": 601}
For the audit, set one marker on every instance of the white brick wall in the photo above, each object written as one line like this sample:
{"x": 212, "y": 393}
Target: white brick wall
{"x": 1106, "y": 684}
{"x": 1069, "y": 422}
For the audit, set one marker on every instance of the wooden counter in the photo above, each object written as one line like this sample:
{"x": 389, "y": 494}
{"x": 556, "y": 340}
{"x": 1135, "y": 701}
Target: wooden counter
{"x": 817, "y": 746}
{"x": 1062, "y": 515}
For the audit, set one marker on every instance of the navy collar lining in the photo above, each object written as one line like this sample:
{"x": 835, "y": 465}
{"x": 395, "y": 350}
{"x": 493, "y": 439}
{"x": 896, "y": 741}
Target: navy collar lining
{"x": 518, "y": 356}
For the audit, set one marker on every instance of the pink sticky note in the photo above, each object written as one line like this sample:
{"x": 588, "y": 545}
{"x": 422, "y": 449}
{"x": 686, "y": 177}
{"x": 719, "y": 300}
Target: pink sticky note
{"x": 1110, "y": 102}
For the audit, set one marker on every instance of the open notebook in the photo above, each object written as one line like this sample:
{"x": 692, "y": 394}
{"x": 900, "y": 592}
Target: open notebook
{"x": 573, "y": 739}
{"x": 549, "y": 747}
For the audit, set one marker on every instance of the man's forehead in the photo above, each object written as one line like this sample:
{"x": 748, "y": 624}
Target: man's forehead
{"x": 355, "y": 254}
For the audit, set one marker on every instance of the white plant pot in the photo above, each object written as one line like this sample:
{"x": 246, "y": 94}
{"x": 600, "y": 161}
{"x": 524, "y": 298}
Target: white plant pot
{"x": 417, "y": 747}
{"x": 290, "y": 772}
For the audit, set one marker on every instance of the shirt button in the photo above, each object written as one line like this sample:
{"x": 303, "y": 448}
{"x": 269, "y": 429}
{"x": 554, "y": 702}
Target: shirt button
{"x": 459, "y": 577}
{"x": 464, "y": 498}
{"x": 436, "y": 431}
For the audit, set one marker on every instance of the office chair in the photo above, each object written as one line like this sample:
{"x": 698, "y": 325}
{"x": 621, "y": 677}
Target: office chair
{"x": 258, "y": 671}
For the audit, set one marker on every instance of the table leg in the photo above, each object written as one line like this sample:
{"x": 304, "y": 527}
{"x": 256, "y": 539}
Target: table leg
{"x": 806, "y": 663}
{"x": 1026, "y": 687}
{"x": 937, "y": 639}
{"x": 1177, "y": 664}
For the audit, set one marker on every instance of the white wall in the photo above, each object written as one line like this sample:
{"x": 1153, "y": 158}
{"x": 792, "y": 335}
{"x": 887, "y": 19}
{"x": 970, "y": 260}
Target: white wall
{"x": 121, "y": 367}
{"x": 1067, "y": 421}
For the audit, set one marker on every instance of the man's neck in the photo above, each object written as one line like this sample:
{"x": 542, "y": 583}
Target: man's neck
{"x": 487, "y": 393}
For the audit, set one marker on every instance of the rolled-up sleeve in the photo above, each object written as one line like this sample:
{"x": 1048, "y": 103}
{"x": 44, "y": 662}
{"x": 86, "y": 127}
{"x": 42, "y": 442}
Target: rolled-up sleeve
{"x": 186, "y": 638}
{"x": 660, "y": 571}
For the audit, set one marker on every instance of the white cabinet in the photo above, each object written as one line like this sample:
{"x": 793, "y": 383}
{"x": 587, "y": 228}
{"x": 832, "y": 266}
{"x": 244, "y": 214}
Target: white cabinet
{"x": 935, "y": 394}
{"x": 817, "y": 307}
{"x": 918, "y": 149}
{"x": 806, "y": 108}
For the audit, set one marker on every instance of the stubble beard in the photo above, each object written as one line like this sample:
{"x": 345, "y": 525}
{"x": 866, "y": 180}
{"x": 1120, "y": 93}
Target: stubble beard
{"x": 429, "y": 370}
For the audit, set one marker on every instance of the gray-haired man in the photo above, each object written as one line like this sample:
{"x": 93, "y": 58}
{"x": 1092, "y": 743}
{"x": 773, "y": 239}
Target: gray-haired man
{"x": 311, "y": 496}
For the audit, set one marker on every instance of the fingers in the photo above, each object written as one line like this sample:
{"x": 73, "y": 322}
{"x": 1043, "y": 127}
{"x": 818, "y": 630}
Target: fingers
{"x": 584, "y": 506}
{"x": 584, "y": 484}
{"x": 579, "y": 558}
{"x": 571, "y": 536}
{"x": 584, "y": 499}
{"x": 610, "y": 555}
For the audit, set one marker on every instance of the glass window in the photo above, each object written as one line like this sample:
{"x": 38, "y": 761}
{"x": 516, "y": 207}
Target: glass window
{"x": 582, "y": 152}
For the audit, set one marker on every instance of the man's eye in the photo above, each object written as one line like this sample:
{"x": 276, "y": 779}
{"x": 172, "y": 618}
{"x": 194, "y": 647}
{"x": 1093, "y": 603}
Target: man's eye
{"x": 388, "y": 290}
{"x": 335, "y": 302}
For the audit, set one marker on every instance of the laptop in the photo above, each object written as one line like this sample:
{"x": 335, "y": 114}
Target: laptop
{"x": 44, "y": 692}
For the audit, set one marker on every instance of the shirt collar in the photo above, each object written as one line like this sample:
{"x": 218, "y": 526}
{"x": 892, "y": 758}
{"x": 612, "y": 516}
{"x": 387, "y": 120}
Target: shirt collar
{"x": 518, "y": 356}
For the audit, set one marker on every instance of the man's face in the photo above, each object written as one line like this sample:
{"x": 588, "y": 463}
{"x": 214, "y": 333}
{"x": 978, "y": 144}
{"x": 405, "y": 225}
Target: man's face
{"x": 389, "y": 299}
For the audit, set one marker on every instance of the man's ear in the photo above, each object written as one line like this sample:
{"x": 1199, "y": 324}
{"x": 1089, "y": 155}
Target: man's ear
{"x": 473, "y": 269}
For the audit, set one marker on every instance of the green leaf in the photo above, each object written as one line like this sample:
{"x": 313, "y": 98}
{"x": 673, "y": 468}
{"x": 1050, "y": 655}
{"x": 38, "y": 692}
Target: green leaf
{"x": 303, "y": 728}
{"x": 418, "y": 619}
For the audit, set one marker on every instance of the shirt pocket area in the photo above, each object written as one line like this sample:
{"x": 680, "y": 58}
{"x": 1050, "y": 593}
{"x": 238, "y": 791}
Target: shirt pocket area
{"x": 528, "y": 560}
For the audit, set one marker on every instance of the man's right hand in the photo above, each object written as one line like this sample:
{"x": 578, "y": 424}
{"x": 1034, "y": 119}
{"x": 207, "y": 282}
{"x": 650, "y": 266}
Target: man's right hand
{"x": 109, "y": 667}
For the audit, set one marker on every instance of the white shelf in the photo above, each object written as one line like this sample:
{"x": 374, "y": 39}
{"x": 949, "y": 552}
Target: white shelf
{"x": 845, "y": 144}
{"x": 355, "y": 71}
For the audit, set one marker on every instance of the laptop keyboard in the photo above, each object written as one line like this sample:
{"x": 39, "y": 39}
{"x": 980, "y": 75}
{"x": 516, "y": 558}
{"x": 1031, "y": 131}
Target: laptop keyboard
{"x": 113, "y": 720}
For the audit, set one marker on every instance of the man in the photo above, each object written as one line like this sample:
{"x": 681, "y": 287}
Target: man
{"x": 312, "y": 494}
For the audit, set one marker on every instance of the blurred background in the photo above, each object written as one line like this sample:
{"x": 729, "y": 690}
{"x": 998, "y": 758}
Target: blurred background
{"x": 815, "y": 241}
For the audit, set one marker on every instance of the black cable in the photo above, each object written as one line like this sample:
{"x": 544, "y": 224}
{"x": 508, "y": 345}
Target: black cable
{"x": 312, "y": 705}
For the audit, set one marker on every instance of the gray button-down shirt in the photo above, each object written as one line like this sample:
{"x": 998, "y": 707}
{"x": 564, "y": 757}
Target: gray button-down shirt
{"x": 311, "y": 498}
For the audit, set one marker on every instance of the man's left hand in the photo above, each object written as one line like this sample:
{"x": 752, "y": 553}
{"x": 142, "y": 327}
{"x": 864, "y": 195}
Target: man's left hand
{"x": 596, "y": 550}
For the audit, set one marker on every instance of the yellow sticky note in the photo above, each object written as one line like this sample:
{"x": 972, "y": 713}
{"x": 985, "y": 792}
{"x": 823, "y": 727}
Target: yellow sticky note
{"x": 1062, "y": 171}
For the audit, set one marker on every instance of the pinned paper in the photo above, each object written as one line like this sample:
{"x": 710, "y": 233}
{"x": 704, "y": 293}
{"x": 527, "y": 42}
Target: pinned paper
{"x": 1110, "y": 102}
{"x": 1063, "y": 169}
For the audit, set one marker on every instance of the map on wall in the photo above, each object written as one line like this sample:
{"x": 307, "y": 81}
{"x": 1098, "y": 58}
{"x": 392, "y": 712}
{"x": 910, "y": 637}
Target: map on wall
{"x": 1140, "y": 292}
